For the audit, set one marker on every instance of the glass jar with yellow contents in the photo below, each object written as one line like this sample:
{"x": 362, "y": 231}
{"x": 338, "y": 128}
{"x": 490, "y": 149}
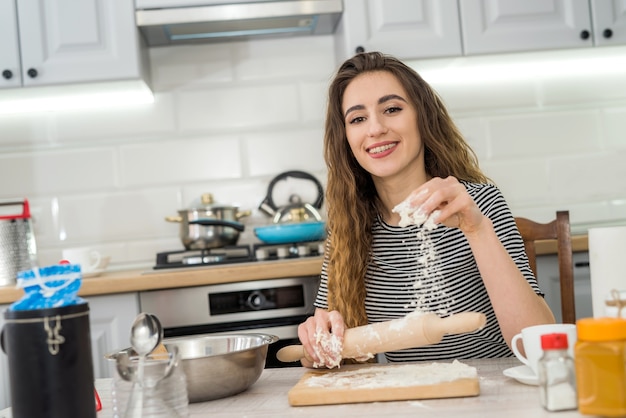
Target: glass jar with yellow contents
{"x": 600, "y": 358}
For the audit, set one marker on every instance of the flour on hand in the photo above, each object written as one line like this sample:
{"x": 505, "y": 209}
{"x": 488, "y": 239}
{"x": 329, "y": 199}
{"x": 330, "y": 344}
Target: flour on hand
{"x": 328, "y": 349}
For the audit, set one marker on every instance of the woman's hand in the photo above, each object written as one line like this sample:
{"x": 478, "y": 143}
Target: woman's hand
{"x": 321, "y": 336}
{"x": 456, "y": 207}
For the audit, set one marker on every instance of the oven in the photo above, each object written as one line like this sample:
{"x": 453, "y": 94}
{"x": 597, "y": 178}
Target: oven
{"x": 273, "y": 306}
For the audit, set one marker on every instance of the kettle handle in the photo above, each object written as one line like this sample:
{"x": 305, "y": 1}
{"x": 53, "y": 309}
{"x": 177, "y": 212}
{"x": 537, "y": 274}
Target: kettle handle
{"x": 268, "y": 206}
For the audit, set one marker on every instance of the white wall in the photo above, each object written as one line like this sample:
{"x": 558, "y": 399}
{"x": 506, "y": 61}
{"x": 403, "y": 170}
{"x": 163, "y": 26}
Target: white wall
{"x": 229, "y": 117}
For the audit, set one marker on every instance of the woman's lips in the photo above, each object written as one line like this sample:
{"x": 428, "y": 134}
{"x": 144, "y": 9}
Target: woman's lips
{"x": 382, "y": 150}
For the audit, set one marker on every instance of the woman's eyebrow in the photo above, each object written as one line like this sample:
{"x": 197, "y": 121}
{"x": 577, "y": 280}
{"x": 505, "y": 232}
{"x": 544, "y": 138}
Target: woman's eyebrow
{"x": 382, "y": 100}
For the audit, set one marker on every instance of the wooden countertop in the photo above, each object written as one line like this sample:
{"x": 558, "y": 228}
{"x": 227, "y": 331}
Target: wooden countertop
{"x": 147, "y": 279}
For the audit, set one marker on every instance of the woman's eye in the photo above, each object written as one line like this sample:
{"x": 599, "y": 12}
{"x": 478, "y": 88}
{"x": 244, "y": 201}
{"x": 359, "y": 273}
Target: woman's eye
{"x": 356, "y": 119}
{"x": 393, "y": 109}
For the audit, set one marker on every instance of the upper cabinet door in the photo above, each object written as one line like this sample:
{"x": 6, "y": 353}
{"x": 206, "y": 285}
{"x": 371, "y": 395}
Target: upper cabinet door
{"x": 609, "y": 21}
{"x": 63, "y": 41}
{"x": 10, "y": 72}
{"x": 491, "y": 26}
{"x": 404, "y": 28}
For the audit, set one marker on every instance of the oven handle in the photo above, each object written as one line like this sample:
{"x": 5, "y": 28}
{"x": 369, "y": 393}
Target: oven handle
{"x": 252, "y": 326}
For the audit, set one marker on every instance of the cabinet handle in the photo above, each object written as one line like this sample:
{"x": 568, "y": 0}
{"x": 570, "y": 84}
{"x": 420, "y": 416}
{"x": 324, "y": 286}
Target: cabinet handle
{"x": 32, "y": 73}
{"x": 584, "y": 34}
{"x": 581, "y": 264}
{"x": 359, "y": 49}
{"x": 7, "y": 74}
{"x": 607, "y": 33}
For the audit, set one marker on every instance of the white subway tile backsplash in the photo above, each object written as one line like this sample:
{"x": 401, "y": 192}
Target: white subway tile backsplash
{"x": 544, "y": 134}
{"x": 590, "y": 177}
{"x": 614, "y": 123}
{"x": 269, "y": 154}
{"x": 521, "y": 181}
{"x": 187, "y": 66}
{"x": 275, "y": 60}
{"x": 249, "y": 107}
{"x": 115, "y": 125}
{"x": 179, "y": 161}
{"x": 26, "y": 130}
{"x": 59, "y": 171}
{"x": 131, "y": 215}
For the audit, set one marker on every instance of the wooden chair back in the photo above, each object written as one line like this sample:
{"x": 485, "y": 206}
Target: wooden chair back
{"x": 559, "y": 230}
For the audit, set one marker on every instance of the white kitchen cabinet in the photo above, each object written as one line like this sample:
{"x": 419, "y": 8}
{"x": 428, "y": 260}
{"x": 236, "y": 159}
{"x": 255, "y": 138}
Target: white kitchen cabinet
{"x": 403, "y": 28}
{"x": 110, "y": 319}
{"x": 609, "y": 22}
{"x": 47, "y": 42}
{"x": 500, "y": 26}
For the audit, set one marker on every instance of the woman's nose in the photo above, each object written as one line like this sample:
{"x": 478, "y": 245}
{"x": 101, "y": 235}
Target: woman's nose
{"x": 376, "y": 127}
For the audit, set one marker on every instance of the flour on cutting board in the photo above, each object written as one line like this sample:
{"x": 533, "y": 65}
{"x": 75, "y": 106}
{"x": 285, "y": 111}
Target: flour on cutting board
{"x": 394, "y": 376}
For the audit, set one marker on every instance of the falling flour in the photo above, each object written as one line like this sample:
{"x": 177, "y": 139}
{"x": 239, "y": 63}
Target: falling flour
{"x": 427, "y": 286}
{"x": 394, "y": 376}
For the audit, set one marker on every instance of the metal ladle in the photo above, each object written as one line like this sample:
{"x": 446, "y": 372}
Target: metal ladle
{"x": 145, "y": 335}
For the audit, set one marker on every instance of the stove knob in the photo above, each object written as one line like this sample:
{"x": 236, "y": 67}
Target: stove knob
{"x": 256, "y": 300}
{"x": 320, "y": 249}
{"x": 282, "y": 252}
{"x": 303, "y": 250}
{"x": 260, "y": 254}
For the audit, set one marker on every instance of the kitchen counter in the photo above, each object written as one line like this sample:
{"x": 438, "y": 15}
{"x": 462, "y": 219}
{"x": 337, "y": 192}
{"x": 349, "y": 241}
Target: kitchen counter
{"x": 499, "y": 397}
{"x": 148, "y": 279}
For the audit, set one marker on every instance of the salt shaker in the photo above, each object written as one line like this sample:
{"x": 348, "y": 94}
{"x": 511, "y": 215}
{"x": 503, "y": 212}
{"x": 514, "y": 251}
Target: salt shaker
{"x": 556, "y": 372}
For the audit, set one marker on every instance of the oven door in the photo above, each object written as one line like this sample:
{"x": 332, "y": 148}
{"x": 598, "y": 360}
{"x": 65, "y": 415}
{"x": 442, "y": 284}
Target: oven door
{"x": 275, "y": 307}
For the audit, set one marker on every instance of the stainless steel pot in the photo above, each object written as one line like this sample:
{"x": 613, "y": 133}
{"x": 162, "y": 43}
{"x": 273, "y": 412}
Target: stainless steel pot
{"x": 210, "y": 226}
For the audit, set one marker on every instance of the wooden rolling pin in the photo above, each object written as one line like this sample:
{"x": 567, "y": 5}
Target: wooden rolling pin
{"x": 414, "y": 330}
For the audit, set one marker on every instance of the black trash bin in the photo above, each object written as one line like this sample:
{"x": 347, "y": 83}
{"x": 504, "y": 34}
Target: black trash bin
{"x": 50, "y": 364}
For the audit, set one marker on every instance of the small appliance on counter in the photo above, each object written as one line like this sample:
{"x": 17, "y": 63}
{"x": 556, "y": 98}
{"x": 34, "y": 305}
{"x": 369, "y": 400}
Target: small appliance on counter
{"x": 18, "y": 250}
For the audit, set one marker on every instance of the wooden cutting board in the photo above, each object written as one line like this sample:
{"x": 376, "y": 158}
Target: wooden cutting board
{"x": 384, "y": 382}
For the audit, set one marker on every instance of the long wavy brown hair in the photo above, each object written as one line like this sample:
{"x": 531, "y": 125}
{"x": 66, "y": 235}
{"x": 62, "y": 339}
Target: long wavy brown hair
{"x": 352, "y": 200}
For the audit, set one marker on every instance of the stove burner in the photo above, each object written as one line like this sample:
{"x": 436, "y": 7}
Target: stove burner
{"x": 237, "y": 254}
{"x": 211, "y": 256}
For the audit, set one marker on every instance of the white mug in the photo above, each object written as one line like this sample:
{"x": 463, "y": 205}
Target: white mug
{"x": 89, "y": 260}
{"x": 531, "y": 339}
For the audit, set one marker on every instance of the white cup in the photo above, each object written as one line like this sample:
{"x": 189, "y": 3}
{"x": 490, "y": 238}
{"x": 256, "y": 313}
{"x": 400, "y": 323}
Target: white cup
{"x": 531, "y": 340}
{"x": 89, "y": 260}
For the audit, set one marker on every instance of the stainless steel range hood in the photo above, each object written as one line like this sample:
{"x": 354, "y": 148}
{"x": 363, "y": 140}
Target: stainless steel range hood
{"x": 167, "y": 22}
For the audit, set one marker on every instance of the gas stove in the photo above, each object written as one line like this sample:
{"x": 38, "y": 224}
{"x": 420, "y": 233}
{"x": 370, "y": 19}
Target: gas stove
{"x": 237, "y": 254}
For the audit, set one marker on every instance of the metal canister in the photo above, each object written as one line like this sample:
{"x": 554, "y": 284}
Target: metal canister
{"x": 18, "y": 250}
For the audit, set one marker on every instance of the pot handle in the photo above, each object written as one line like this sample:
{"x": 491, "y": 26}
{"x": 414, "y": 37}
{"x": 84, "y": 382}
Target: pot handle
{"x": 268, "y": 206}
{"x": 216, "y": 222}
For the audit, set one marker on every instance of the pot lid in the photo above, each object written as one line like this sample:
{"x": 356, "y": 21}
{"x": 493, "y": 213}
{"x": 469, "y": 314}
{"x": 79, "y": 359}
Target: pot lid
{"x": 206, "y": 201}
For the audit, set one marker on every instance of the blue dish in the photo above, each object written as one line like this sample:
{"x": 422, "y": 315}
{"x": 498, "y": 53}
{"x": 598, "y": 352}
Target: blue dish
{"x": 293, "y": 232}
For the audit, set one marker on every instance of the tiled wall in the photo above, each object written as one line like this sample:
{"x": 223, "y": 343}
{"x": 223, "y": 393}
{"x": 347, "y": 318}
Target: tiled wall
{"x": 229, "y": 117}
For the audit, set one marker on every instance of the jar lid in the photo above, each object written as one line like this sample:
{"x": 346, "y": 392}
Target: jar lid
{"x": 554, "y": 341}
{"x": 601, "y": 329}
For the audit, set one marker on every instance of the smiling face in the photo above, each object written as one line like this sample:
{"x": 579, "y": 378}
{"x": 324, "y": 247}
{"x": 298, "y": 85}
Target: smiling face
{"x": 381, "y": 127}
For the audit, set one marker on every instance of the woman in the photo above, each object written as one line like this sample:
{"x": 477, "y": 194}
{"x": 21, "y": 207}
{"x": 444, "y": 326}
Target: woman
{"x": 388, "y": 137}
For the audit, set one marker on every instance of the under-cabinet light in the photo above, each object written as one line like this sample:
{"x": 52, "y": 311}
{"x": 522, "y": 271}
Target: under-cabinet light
{"x": 61, "y": 98}
{"x": 544, "y": 65}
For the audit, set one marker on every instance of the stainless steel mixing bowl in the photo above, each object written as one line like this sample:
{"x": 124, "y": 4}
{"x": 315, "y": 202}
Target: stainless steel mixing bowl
{"x": 218, "y": 366}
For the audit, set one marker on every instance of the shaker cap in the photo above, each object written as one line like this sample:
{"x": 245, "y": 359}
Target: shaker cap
{"x": 554, "y": 341}
{"x": 601, "y": 329}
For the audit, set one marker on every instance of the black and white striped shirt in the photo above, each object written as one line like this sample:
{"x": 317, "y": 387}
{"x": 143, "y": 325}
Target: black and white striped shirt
{"x": 399, "y": 280}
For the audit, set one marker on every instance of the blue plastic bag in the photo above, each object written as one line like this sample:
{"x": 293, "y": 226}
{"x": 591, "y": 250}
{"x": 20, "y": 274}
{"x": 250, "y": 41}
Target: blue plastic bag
{"x": 49, "y": 287}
